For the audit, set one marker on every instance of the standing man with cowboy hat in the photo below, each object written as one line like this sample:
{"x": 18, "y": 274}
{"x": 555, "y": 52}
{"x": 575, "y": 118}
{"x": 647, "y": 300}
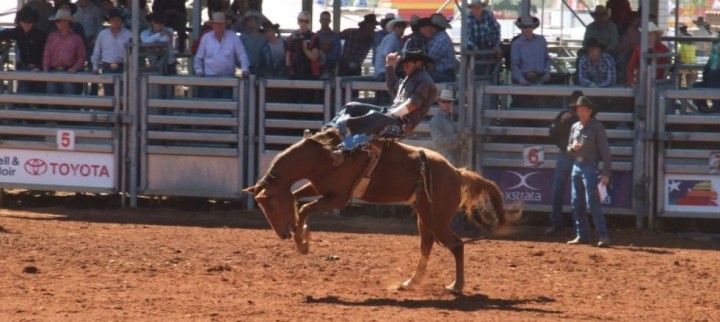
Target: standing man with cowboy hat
{"x": 358, "y": 42}
{"x": 220, "y": 52}
{"x": 360, "y": 122}
{"x": 64, "y": 52}
{"x": 603, "y": 30}
{"x": 109, "y": 52}
{"x": 588, "y": 144}
{"x": 439, "y": 47}
{"x": 483, "y": 34}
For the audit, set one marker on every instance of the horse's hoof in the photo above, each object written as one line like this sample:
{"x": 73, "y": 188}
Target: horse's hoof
{"x": 404, "y": 286}
{"x": 454, "y": 288}
{"x": 303, "y": 248}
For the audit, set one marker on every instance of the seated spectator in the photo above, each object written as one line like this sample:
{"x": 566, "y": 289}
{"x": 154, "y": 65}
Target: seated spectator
{"x": 657, "y": 47}
{"x": 219, "y": 54}
{"x": 439, "y": 48}
{"x": 358, "y": 42}
{"x": 390, "y": 44}
{"x": 158, "y": 33}
{"x": 272, "y": 55}
{"x": 30, "y": 42}
{"x": 299, "y": 51}
{"x": 710, "y": 79}
{"x": 596, "y": 68}
{"x": 109, "y": 53}
{"x": 529, "y": 61}
{"x": 328, "y": 44}
{"x": 64, "y": 52}
{"x": 603, "y": 30}
{"x": 252, "y": 39}
{"x": 529, "y": 57}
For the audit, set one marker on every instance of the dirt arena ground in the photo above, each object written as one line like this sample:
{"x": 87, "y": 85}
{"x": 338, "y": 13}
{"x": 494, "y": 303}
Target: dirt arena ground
{"x": 166, "y": 264}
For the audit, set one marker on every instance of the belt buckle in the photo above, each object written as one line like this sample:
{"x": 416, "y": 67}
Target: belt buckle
{"x": 579, "y": 159}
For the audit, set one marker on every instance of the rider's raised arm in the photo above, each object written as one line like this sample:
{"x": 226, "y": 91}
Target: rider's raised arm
{"x": 391, "y": 80}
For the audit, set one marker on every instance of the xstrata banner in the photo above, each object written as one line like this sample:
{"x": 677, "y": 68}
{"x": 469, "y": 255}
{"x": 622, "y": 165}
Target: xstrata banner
{"x": 57, "y": 168}
{"x": 533, "y": 186}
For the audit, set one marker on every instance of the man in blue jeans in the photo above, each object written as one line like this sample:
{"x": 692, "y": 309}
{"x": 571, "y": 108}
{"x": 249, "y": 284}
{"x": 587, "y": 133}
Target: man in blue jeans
{"x": 559, "y": 134}
{"x": 588, "y": 145}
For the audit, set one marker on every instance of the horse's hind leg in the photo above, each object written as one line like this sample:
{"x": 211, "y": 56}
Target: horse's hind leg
{"x": 447, "y": 238}
{"x": 426, "y": 244}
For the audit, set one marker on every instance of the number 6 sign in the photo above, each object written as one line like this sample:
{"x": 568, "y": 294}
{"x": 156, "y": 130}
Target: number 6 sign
{"x": 65, "y": 140}
{"x": 533, "y": 156}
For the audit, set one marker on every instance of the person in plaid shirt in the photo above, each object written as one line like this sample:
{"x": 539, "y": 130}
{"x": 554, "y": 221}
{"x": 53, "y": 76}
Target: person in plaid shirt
{"x": 439, "y": 48}
{"x": 358, "y": 42}
{"x": 483, "y": 29}
{"x": 596, "y": 68}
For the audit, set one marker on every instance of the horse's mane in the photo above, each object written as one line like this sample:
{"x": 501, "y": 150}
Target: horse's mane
{"x": 328, "y": 138}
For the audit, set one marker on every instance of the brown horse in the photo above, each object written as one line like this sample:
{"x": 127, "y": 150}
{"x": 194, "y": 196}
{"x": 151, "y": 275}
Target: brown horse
{"x": 403, "y": 175}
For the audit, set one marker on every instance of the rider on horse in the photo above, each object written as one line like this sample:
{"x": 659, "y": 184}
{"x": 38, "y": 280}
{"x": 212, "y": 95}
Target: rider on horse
{"x": 360, "y": 122}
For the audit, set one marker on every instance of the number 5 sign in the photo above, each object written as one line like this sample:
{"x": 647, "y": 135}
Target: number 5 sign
{"x": 65, "y": 140}
{"x": 533, "y": 156}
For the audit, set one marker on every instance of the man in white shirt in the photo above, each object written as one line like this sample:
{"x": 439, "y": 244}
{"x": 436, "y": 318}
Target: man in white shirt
{"x": 220, "y": 52}
{"x": 109, "y": 53}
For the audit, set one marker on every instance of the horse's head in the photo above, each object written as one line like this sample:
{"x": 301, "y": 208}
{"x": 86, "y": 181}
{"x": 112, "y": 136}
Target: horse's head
{"x": 278, "y": 205}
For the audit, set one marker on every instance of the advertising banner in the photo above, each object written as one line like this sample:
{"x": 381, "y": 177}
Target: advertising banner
{"x": 692, "y": 193}
{"x": 57, "y": 168}
{"x": 533, "y": 186}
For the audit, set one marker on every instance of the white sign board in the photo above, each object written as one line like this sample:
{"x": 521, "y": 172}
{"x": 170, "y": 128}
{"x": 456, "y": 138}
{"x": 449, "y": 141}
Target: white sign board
{"x": 692, "y": 193}
{"x": 57, "y": 168}
{"x": 533, "y": 156}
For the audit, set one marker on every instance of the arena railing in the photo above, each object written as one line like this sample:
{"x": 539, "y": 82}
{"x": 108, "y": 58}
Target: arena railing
{"x": 512, "y": 145}
{"x": 688, "y": 158}
{"x": 61, "y": 142}
{"x": 192, "y": 146}
{"x": 285, "y": 109}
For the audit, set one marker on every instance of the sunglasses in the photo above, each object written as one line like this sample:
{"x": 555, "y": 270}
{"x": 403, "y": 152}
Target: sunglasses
{"x": 303, "y": 20}
{"x": 446, "y": 101}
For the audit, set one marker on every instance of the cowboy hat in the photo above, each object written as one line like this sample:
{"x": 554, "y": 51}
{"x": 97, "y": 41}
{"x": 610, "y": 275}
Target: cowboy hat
{"x": 584, "y": 101}
{"x": 594, "y": 43}
{"x": 369, "y": 19}
{"x": 388, "y": 17}
{"x": 398, "y": 20}
{"x": 414, "y": 54}
{"x": 574, "y": 97}
{"x": 479, "y": 3}
{"x": 27, "y": 15}
{"x": 218, "y": 17}
{"x": 423, "y": 22}
{"x": 600, "y": 10}
{"x": 414, "y": 19}
{"x": 267, "y": 25}
{"x": 438, "y": 20}
{"x": 62, "y": 14}
{"x": 528, "y": 21}
{"x": 447, "y": 95}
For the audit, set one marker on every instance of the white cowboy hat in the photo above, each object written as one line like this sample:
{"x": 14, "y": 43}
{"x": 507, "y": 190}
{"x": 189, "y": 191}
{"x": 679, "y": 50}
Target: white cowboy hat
{"x": 62, "y": 14}
{"x": 391, "y": 25}
{"x": 218, "y": 17}
{"x": 447, "y": 95}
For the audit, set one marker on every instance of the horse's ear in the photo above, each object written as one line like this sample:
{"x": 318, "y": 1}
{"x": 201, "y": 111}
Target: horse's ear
{"x": 307, "y": 134}
{"x": 254, "y": 190}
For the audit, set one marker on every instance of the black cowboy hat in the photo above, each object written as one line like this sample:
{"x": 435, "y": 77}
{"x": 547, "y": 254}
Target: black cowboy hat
{"x": 155, "y": 17}
{"x": 574, "y": 97}
{"x": 27, "y": 15}
{"x": 423, "y": 22}
{"x": 369, "y": 19}
{"x": 584, "y": 101}
{"x": 529, "y": 21}
{"x": 594, "y": 43}
{"x": 269, "y": 25}
{"x": 414, "y": 54}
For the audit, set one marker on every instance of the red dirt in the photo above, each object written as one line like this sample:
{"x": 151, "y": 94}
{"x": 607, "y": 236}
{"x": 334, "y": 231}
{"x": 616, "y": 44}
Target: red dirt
{"x": 61, "y": 264}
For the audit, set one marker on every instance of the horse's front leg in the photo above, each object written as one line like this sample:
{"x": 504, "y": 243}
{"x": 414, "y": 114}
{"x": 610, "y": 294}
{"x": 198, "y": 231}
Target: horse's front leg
{"x": 302, "y": 233}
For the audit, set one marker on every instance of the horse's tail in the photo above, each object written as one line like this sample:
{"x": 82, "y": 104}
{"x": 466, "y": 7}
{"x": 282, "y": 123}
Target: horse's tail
{"x": 476, "y": 190}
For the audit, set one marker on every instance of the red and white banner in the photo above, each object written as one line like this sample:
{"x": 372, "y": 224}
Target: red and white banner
{"x": 57, "y": 168}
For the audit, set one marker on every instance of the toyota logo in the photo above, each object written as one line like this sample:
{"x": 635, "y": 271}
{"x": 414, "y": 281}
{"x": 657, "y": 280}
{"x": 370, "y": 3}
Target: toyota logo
{"x": 36, "y": 167}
